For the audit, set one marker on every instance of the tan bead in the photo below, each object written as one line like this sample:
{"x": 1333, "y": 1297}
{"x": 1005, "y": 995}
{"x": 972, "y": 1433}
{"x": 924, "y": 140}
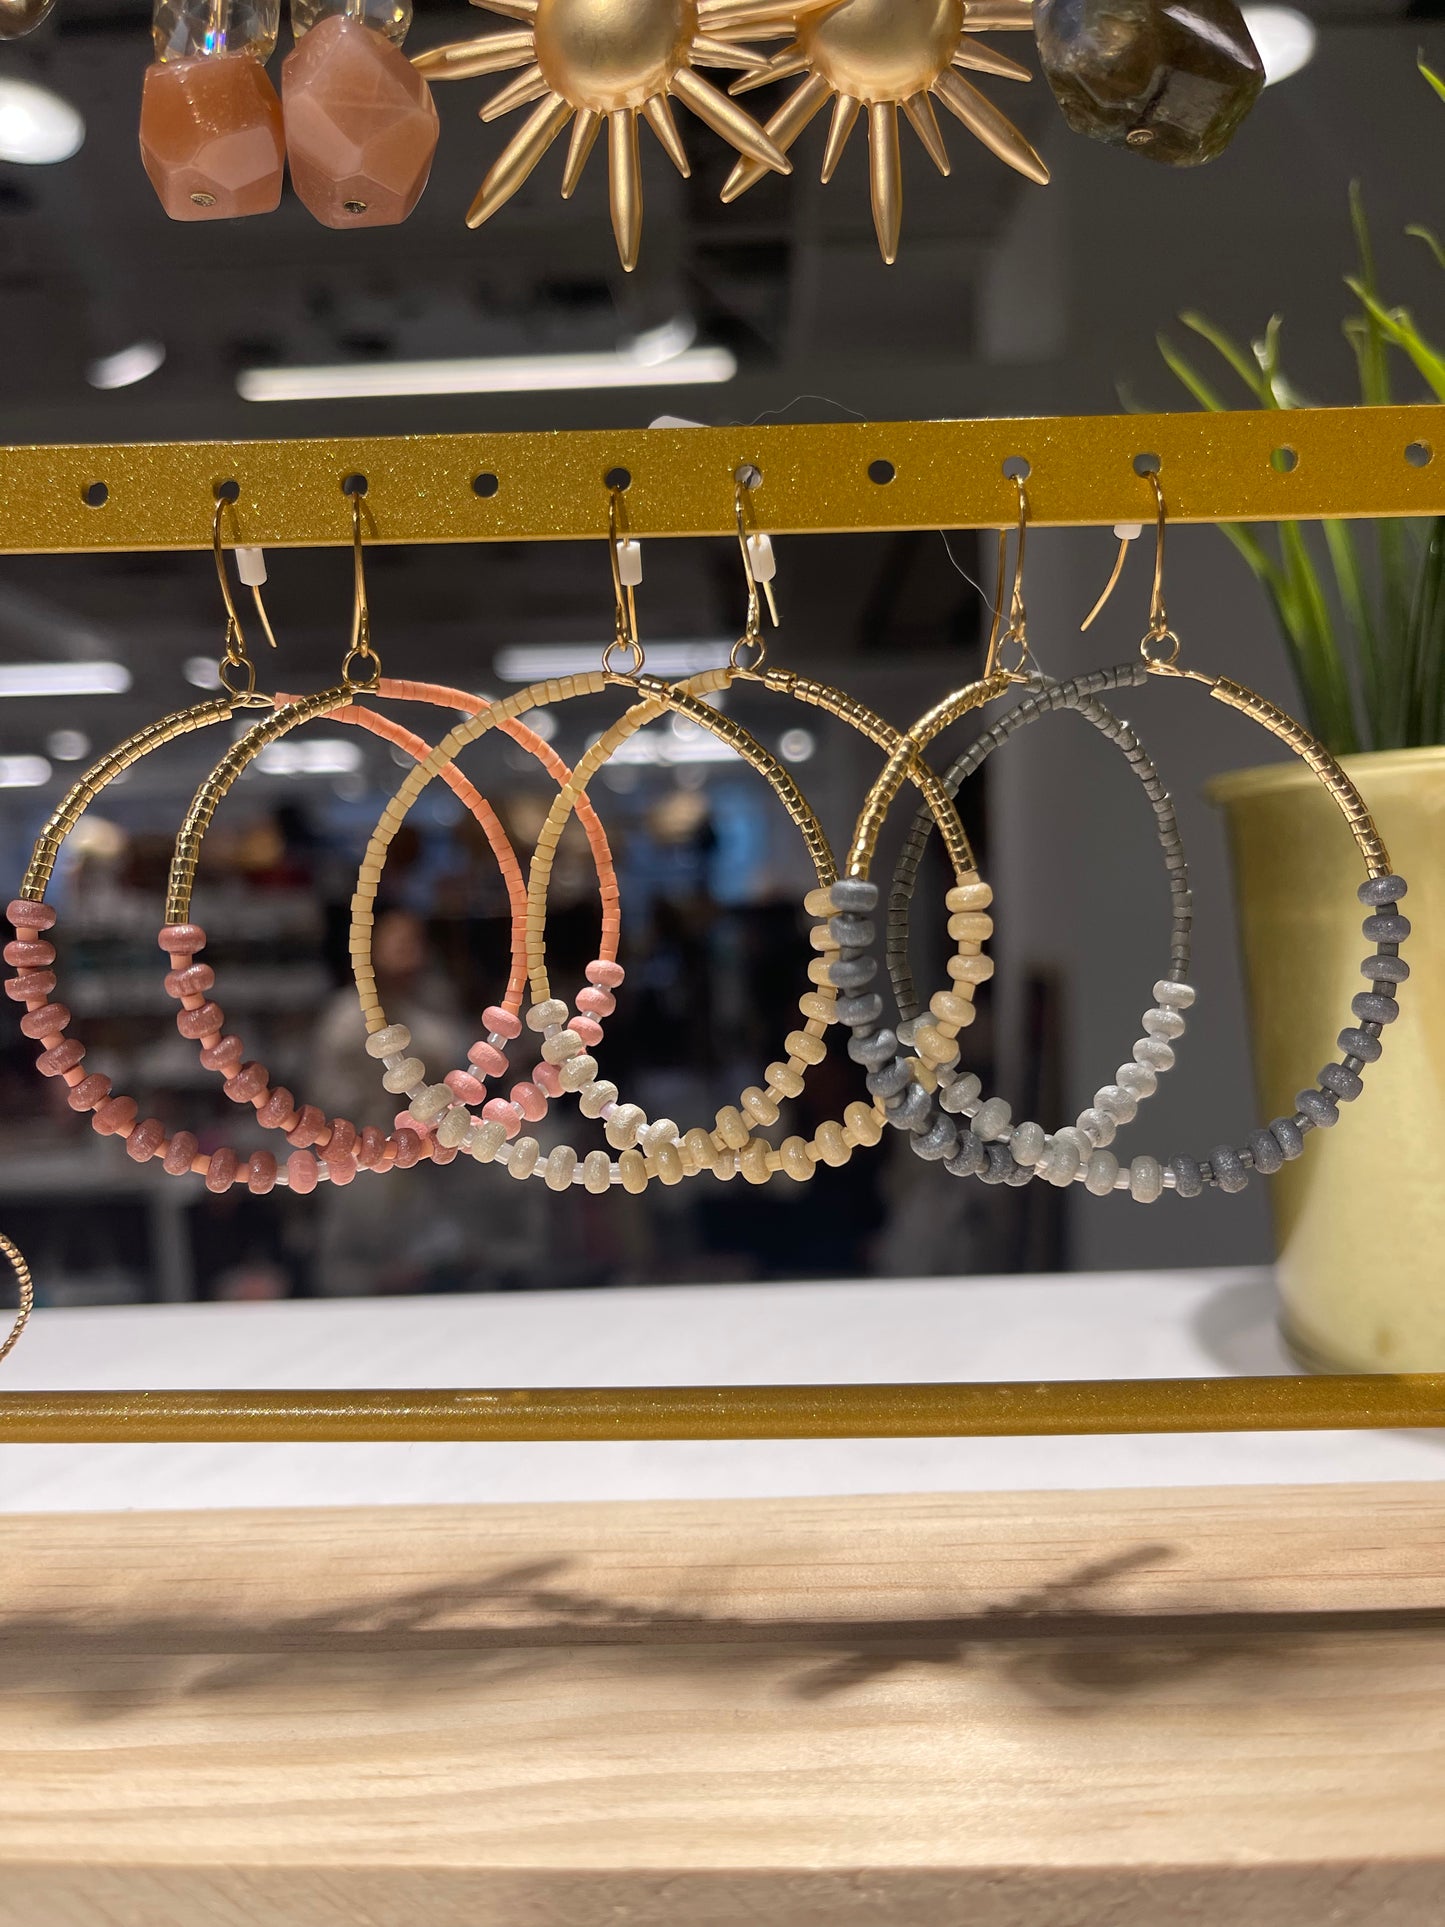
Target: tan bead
{"x": 543, "y": 1016}
{"x": 812, "y": 1050}
{"x": 651, "y": 1136}
{"x": 408, "y": 1074}
{"x": 454, "y": 1126}
{"x": 622, "y": 1127}
{"x": 971, "y": 926}
{"x": 593, "y": 1099}
{"x": 633, "y": 1167}
{"x": 577, "y": 1073}
{"x": 391, "y": 1041}
{"x": 797, "y": 1159}
{"x": 758, "y": 1106}
{"x": 725, "y": 1166}
{"x": 970, "y": 970}
{"x": 561, "y": 1163}
{"x": 819, "y": 938}
{"x": 814, "y": 1004}
{"x": 818, "y": 969}
{"x": 522, "y": 1161}
{"x": 753, "y": 1160}
{"x": 699, "y": 1151}
{"x": 783, "y": 1081}
{"x": 949, "y": 1008}
{"x": 597, "y": 1173}
{"x": 668, "y": 1160}
{"x": 862, "y": 1123}
{"x": 732, "y": 1127}
{"x": 831, "y": 1145}
{"x": 969, "y": 896}
{"x": 566, "y": 1043}
{"x": 819, "y": 903}
{"x": 935, "y": 1046}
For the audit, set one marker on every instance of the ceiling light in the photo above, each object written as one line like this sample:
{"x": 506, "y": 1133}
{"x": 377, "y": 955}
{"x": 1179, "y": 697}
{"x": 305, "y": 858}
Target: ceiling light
{"x": 539, "y": 661}
{"x": 68, "y": 745}
{"x": 670, "y": 748}
{"x": 37, "y": 128}
{"x": 495, "y": 375}
{"x": 126, "y": 366}
{"x": 1285, "y": 40}
{"x": 316, "y": 756}
{"x": 23, "y": 772}
{"x": 797, "y": 745}
{"x": 64, "y": 679}
{"x": 202, "y": 672}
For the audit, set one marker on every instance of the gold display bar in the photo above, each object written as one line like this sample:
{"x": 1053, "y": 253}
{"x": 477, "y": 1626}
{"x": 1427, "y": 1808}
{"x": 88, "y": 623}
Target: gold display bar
{"x": 1260, "y": 465}
{"x": 998, "y": 1410}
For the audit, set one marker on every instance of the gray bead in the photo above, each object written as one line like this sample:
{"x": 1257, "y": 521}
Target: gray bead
{"x": 1264, "y": 1149}
{"x": 890, "y": 1078}
{"x": 939, "y": 1141}
{"x": 959, "y": 1092}
{"x": 860, "y": 1013}
{"x": 1018, "y": 1176}
{"x": 1385, "y": 970}
{"x": 1371, "y": 1007}
{"x": 969, "y": 1159}
{"x": 1100, "y": 1173}
{"x": 907, "y": 1031}
{"x": 1119, "y": 1103}
{"x": 998, "y": 1166}
{"x": 1345, "y": 1084}
{"x": 852, "y": 973}
{"x": 875, "y": 1051}
{"x": 1320, "y": 1107}
{"x": 911, "y": 1110}
{"x": 994, "y": 1119}
{"x": 852, "y": 933}
{"x": 1188, "y": 1181}
{"x": 1361, "y": 1044}
{"x": 1382, "y": 890}
{"x": 1229, "y": 1169}
{"x": 1386, "y": 927}
{"x": 852, "y": 893}
{"x": 1289, "y": 1137}
{"x": 1027, "y": 1143}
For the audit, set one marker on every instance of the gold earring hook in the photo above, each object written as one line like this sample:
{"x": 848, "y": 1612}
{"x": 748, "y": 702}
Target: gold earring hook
{"x": 624, "y": 595}
{"x": 1127, "y": 532}
{"x": 361, "y": 666}
{"x": 1017, "y": 631}
{"x": 236, "y": 670}
{"x": 752, "y": 636}
{"x": 1152, "y": 648}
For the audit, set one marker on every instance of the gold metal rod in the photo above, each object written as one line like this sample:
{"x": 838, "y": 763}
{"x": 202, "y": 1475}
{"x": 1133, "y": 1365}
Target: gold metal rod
{"x": 1064, "y": 1407}
{"x": 817, "y": 477}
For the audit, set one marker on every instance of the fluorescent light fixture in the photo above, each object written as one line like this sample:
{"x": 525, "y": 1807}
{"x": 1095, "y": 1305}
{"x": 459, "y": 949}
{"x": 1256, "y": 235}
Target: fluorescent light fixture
{"x": 312, "y": 756}
{"x": 202, "y": 672}
{"x": 488, "y": 375}
{"x": 537, "y": 661}
{"x": 126, "y": 366}
{"x": 63, "y": 679}
{"x": 37, "y": 128}
{"x": 67, "y": 745}
{"x": 1286, "y": 40}
{"x": 23, "y": 772}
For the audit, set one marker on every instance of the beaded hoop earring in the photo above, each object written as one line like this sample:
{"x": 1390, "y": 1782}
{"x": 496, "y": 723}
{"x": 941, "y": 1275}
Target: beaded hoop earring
{"x": 25, "y": 1285}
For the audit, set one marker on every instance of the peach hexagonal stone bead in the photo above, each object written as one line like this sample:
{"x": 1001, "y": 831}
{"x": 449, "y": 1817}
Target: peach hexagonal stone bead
{"x": 211, "y": 137}
{"x": 361, "y": 126}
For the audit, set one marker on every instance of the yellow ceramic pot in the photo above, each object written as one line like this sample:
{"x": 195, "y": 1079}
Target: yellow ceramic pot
{"x": 1360, "y": 1218}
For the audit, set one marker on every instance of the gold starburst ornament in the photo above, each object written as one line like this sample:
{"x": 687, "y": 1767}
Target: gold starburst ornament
{"x": 608, "y": 62}
{"x": 878, "y": 56}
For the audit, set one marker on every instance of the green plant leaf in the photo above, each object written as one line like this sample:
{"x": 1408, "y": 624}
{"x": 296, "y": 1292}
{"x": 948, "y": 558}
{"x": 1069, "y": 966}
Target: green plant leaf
{"x": 1434, "y": 79}
{"x": 1230, "y": 352}
{"x": 1396, "y": 325}
{"x": 1370, "y": 350}
{"x": 1431, "y": 240}
{"x": 1189, "y": 376}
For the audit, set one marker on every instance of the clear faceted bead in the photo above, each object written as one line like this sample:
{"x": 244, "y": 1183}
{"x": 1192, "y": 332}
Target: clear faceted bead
{"x": 182, "y": 28}
{"x": 391, "y": 17}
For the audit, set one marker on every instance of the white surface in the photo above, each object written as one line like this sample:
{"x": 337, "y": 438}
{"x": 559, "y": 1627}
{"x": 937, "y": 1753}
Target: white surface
{"x": 1128, "y": 1324}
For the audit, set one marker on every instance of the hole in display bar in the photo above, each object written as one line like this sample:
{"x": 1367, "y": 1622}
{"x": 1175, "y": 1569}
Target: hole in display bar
{"x": 1017, "y": 468}
{"x": 1285, "y": 460}
{"x": 881, "y": 472}
{"x": 485, "y": 485}
{"x": 228, "y": 491}
{"x": 618, "y": 478}
{"x": 1147, "y": 464}
{"x": 95, "y": 495}
{"x": 353, "y": 485}
{"x": 749, "y": 475}
{"x": 1419, "y": 454}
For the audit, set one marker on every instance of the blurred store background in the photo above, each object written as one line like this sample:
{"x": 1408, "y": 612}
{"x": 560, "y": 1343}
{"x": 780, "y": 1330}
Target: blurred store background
{"x": 1006, "y": 300}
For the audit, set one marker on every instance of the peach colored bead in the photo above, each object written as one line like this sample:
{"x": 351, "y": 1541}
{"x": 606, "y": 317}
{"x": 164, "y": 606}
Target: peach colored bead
{"x": 224, "y": 1056}
{"x": 530, "y": 1101}
{"x": 260, "y": 1173}
{"x": 548, "y": 1078}
{"x": 498, "y": 1110}
{"x": 221, "y": 1171}
{"x": 588, "y": 1029}
{"x": 30, "y": 984}
{"x": 342, "y": 1141}
{"x": 89, "y": 1092}
{"x": 607, "y": 976}
{"x": 250, "y": 1082}
{"x": 202, "y": 1022}
{"x": 49, "y": 1021}
{"x": 488, "y": 1059}
{"x": 279, "y": 1112}
{"x": 371, "y": 1147}
{"x": 115, "y": 1115}
{"x": 179, "y": 1154}
{"x": 301, "y": 1172}
{"x": 503, "y": 1023}
{"x": 194, "y": 981}
{"x": 410, "y": 1149}
{"x": 146, "y": 1141}
{"x": 182, "y": 939}
{"x": 404, "y": 1121}
{"x": 595, "y": 1002}
{"x": 443, "y": 1153}
{"x": 61, "y": 1058}
{"x": 308, "y": 1128}
{"x": 342, "y": 1170}
{"x": 29, "y": 916}
{"x": 466, "y": 1088}
{"x": 29, "y": 956}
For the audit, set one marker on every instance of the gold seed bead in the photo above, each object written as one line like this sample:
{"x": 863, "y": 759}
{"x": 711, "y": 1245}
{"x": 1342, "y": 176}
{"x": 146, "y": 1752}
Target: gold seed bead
{"x": 862, "y": 1124}
{"x": 524, "y": 1155}
{"x": 593, "y": 1099}
{"x": 819, "y": 903}
{"x": 814, "y": 1004}
{"x": 732, "y": 1127}
{"x": 797, "y": 1159}
{"x": 950, "y": 1009}
{"x": 556, "y": 1050}
{"x": 623, "y": 1126}
{"x": 753, "y": 1160}
{"x": 597, "y": 1173}
{"x": 812, "y": 1050}
{"x": 668, "y": 1160}
{"x": 633, "y": 1167}
{"x": 758, "y": 1106}
{"x": 971, "y": 926}
{"x": 699, "y": 1151}
{"x": 970, "y": 970}
{"x": 969, "y": 896}
{"x": 783, "y": 1081}
{"x": 934, "y": 1045}
{"x": 831, "y": 1144}
{"x": 561, "y": 1163}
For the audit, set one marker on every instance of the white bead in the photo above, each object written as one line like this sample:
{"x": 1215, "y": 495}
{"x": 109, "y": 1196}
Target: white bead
{"x": 1138, "y": 1080}
{"x": 561, "y": 1163}
{"x": 408, "y": 1074}
{"x": 395, "y": 1039}
{"x": 1026, "y": 1145}
{"x": 1071, "y": 1134}
{"x": 1146, "y": 1180}
{"x": 454, "y": 1126}
{"x": 577, "y": 1073}
{"x": 545, "y": 1016}
{"x": 1097, "y": 1126}
{"x": 1102, "y": 1171}
{"x": 489, "y": 1139}
{"x": 1059, "y": 1162}
{"x": 623, "y": 1126}
{"x": 1154, "y": 1052}
{"x": 594, "y": 1098}
{"x": 522, "y": 1159}
{"x": 1177, "y": 996}
{"x": 429, "y": 1102}
{"x": 565, "y": 1044}
{"x": 597, "y": 1172}
{"x": 1163, "y": 1023}
{"x": 961, "y": 1094}
{"x": 993, "y": 1119}
{"x": 1118, "y": 1102}
{"x": 653, "y": 1136}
